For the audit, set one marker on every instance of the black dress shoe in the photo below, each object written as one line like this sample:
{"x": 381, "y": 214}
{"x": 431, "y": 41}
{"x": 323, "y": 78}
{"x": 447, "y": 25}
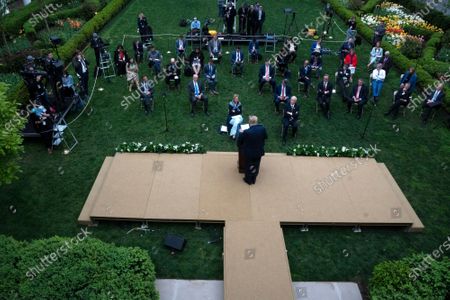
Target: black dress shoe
{"x": 247, "y": 181}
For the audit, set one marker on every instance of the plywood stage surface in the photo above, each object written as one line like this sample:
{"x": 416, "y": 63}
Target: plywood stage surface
{"x": 289, "y": 190}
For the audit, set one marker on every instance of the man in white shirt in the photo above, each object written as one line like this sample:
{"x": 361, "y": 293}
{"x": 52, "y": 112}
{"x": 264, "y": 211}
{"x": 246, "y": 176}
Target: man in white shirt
{"x": 378, "y": 75}
{"x": 433, "y": 101}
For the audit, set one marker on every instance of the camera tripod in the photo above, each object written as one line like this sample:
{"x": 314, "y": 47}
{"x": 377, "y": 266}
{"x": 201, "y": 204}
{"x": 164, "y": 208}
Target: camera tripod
{"x": 288, "y": 28}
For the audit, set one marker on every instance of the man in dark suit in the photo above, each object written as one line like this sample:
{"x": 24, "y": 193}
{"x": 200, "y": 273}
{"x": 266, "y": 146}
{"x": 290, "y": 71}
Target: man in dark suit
{"x": 360, "y": 95}
{"x": 304, "y": 76}
{"x": 402, "y": 98}
{"x": 196, "y": 94}
{"x": 290, "y": 117}
{"x": 433, "y": 101}
{"x": 251, "y": 142}
{"x": 282, "y": 94}
{"x": 324, "y": 91}
{"x": 230, "y": 14}
{"x": 237, "y": 61}
{"x": 266, "y": 75}
{"x": 386, "y": 61}
{"x": 215, "y": 48}
{"x": 210, "y": 71}
{"x": 80, "y": 65}
{"x": 173, "y": 73}
{"x": 260, "y": 17}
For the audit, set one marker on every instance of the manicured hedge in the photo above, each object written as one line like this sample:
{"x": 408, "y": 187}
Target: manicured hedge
{"x": 72, "y": 268}
{"x": 19, "y": 93}
{"x": 415, "y": 277}
{"x": 12, "y": 23}
{"x": 370, "y": 6}
{"x": 434, "y": 67}
{"x": 399, "y": 60}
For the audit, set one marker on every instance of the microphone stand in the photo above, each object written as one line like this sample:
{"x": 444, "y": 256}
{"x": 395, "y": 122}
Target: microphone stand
{"x": 363, "y": 135}
{"x": 165, "y": 113}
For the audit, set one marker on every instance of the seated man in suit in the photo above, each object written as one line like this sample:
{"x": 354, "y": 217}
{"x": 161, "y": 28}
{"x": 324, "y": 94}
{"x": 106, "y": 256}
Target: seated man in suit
{"x": 210, "y": 71}
{"x": 266, "y": 75}
{"x": 215, "y": 48}
{"x": 282, "y": 94}
{"x": 154, "y": 60}
{"x": 324, "y": 91}
{"x": 304, "y": 76}
{"x": 180, "y": 46}
{"x": 173, "y": 73}
{"x": 290, "y": 117}
{"x": 402, "y": 98}
{"x": 146, "y": 92}
{"x": 196, "y": 94}
{"x": 433, "y": 101}
{"x": 237, "y": 61}
{"x": 253, "y": 50}
{"x": 344, "y": 79}
{"x": 360, "y": 95}
{"x": 411, "y": 77}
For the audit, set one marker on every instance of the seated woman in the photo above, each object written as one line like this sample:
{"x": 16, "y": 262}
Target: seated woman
{"x": 316, "y": 64}
{"x": 375, "y": 55}
{"x": 68, "y": 88}
{"x": 196, "y": 60}
{"x": 316, "y": 48}
{"x": 132, "y": 74}
{"x": 401, "y": 98}
{"x": 234, "y": 119}
{"x": 352, "y": 61}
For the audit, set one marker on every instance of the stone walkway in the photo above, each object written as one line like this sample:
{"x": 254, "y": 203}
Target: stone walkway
{"x": 173, "y": 289}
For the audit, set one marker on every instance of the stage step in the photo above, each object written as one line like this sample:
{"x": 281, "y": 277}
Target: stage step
{"x": 85, "y": 216}
{"x": 417, "y": 225}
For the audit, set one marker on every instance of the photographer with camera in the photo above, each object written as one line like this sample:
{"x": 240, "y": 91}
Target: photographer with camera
{"x": 97, "y": 44}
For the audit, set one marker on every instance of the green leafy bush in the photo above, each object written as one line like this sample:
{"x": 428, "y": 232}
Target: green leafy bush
{"x": 370, "y": 5}
{"x": 444, "y": 55}
{"x": 412, "y": 47}
{"x": 418, "y": 31}
{"x": 89, "y": 269}
{"x": 414, "y": 277}
{"x": 10, "y": 139}
{"x": 355, "y": 4}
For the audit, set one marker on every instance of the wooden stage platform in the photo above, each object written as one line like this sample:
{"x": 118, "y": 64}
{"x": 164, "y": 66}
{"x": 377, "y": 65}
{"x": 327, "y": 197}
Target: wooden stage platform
{"x": 208, "y": 188}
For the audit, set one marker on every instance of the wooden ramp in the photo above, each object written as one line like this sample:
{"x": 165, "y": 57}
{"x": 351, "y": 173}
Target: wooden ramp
{"x": 289, "y": 190}
{"x": 256, "y": 266}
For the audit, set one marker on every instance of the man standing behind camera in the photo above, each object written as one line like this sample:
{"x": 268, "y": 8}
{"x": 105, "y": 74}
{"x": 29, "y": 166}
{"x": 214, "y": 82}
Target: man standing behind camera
{"x": 81, "y": 68}
{"x": 97, "y": 45}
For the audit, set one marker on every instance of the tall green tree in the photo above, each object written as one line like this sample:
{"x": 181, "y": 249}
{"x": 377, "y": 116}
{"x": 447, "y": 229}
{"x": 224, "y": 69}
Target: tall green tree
{"x": 11, "y": 123}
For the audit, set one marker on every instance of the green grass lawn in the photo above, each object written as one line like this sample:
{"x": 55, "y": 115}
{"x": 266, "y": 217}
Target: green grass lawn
{"x": 52, "y": 189}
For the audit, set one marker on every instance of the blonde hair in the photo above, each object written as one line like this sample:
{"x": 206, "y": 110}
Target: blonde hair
{"x": 253, "y": 120}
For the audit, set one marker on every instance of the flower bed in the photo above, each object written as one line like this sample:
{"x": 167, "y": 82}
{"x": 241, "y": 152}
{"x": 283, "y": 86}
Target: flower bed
{"x": 397, "y": 18}
{"x": 320, "y": 151}
{"x": 187, "y": 148}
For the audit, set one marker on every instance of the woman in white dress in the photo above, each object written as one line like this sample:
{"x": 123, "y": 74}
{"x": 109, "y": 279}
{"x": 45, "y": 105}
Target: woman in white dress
{"x": 132, "y": 74}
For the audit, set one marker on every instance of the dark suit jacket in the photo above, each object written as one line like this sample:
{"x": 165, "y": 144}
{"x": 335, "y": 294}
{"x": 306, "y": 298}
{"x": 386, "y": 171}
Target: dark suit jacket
{"x": 252, "y": 141}
{"x": 234, "y": 111}
{"x": 250, "y": 47}
{"x": 363, "y": 94}
{"x": 305, "y": 73}
{"x": 439, "y": 99}
{"x": 403, "y": 96}
{"x": 262, "y": 72}
{"x": 233, "y": 57}
{"x": 387, "y": 65}
{"x": 210, "y": 70}
{"x": 295, "y": 112}
{"x": 278, "y": 91}
{"x": 191, "y": 89}
{"x": 77, "y": 66}
{"x": 321, "y": 89}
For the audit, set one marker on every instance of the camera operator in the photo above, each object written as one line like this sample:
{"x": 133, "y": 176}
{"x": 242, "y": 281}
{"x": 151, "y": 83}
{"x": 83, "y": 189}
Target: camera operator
{"x": 97, "y": 44}
{"x": 81, "y": 68}
{"x": 38, "y": 91}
